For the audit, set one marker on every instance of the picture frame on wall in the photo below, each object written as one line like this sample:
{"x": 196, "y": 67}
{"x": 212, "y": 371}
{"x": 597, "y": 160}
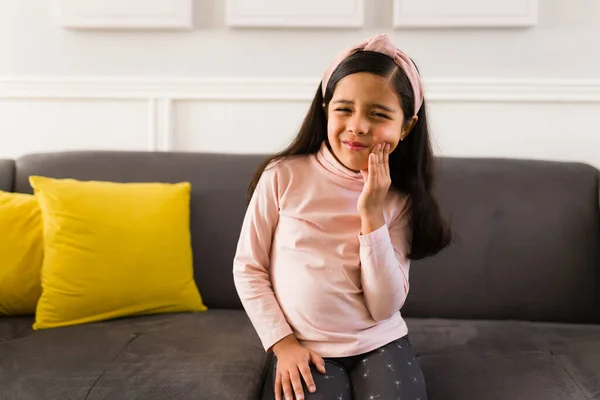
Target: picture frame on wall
{"x": 465, "y": 13}
{"x": 128, "y": 14}
{"x": 295, "y": 14}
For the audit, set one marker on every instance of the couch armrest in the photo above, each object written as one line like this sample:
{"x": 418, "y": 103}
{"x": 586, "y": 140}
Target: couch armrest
{"x": 7, "y": 175}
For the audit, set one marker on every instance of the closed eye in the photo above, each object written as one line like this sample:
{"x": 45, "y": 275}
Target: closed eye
{"x": 342, "y": 109}
{"x": 381, "y": 115}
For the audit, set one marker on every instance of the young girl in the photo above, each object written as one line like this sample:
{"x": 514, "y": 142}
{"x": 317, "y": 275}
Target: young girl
{"x": 333, "y": 221}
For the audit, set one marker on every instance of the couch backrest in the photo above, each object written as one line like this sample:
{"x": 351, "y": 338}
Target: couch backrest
{"x": 527, "y": 243}
{"x": 7, "y": 175}
{"x": 527, "y": 232}
{"x": 217, "y": 207}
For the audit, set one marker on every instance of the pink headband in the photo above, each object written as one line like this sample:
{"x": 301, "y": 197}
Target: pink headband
{"x": 382, "y": 44}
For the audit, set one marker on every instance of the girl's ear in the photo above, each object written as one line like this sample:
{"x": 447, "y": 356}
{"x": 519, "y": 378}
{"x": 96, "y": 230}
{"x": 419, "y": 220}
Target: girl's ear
{"x": 408, "y": 127}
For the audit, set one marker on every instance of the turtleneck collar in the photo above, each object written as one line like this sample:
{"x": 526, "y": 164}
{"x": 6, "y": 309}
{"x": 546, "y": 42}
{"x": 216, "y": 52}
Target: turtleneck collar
{"x": 338, "y": 172}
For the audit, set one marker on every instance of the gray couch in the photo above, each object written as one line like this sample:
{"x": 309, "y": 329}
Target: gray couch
{"x": 510, "y": 311}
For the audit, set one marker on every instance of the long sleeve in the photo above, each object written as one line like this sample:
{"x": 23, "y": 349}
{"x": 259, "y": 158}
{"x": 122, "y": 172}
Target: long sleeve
{"x": 384, "y": 268}
{"x": 252, "y": 261}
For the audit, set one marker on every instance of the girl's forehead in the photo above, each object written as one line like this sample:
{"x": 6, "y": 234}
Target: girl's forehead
{"x": 365, "y": 86}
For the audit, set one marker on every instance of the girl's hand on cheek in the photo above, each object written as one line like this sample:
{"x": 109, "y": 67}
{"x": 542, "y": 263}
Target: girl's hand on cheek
{"x": 377, "y": 182}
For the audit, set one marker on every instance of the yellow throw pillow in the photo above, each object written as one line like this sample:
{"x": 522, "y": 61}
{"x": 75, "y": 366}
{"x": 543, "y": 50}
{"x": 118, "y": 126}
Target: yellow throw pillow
{"x": 113, "y": 250}
{"x": 21, "y": 253}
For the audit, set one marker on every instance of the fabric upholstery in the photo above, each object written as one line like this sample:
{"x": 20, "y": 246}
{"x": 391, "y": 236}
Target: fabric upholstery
{"x": 518, "y": 223}
{"x": 12, "y": 328}
{"x": 21, "y": 253}
{"x": 213, "y": 355}
{"x": 114, "y": 250}
{"x": 527, "y": 248}
{"x": 527, "y": 244}
{"x": 7, "y": 175}
{"x": 499, "y": 360}
{"x": 217, "y": 207}
{"x": 507, "y": 359}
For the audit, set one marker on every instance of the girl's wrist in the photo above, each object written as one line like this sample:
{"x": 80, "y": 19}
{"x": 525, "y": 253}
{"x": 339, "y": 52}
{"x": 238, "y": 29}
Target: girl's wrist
{"x": 283, "y": 343}
{"x": 371, "y": 213}
{"x": 371, "y": 221}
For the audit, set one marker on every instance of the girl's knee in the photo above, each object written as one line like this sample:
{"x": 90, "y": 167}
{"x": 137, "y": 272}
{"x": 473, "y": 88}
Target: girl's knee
{"x": 333, "y": 365}
{"x": 333, "y": 384}
{"x": 333, "y": 370}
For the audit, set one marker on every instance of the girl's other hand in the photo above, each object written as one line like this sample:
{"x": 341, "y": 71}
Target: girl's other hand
{"x": 293, "y": 362}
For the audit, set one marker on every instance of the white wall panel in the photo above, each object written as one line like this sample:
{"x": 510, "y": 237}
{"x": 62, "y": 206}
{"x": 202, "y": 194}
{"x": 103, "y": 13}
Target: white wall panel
{"x": 42, "y": 125}
{"x": 461, "y": 13}
{"x": 236, "y": 126}
{"x": 126, "y": 13}
{"x": 550, "y": 131}
{"x": 294, "y": 13}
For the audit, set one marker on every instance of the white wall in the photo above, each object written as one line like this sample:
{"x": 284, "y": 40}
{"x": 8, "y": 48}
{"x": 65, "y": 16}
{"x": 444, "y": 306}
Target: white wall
{"x": 521, "y": 92}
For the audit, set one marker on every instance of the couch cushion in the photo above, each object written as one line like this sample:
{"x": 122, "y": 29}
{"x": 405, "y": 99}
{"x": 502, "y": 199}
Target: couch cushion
{"x": 527, "y": 244}
{"x": 12, "y": 328}
{"x": 21, "y": 253}
{"x": 218, "y": 202}
{"x": 7, "y": 175}
{"x": 210, "y": 355}
{"x": 117, "y": 231}
{"x": 507, "y": 359}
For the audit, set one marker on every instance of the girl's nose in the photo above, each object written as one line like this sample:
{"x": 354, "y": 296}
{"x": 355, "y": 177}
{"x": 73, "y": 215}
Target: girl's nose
{"x": 358, "y": 125}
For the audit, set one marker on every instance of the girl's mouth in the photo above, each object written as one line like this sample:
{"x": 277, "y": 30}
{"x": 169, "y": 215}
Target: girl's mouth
{"x": 354, "y": 146}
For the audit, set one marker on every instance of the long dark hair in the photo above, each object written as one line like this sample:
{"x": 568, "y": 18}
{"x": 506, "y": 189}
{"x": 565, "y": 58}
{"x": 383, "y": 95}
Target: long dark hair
{"x": 411, "y": 163}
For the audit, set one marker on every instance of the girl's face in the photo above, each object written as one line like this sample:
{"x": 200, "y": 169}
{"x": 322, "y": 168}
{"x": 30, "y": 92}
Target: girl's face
{"x": 363, "y": 112}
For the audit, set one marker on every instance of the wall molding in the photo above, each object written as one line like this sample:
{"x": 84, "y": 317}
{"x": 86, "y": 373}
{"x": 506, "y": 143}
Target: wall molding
{"x": 470, "y": 13}
{"x": 288, "y": 89}
{"x": 289, "y": 14}
{"x": 162, "y": 94}
{"x": 116, "y": 14}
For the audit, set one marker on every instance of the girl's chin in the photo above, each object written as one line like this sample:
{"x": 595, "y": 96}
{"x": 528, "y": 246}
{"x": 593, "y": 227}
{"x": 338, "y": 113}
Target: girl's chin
{"x": 352, "y": 160}
{"x": 355, "y": 165}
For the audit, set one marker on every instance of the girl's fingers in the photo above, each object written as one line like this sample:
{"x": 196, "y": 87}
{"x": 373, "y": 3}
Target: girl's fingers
{"x": 297, "y": 387}
{"x": 372, "y": 168}
{"x": 287, "y": 386}
{"x": 380, "y": 153}
{"x": 307, "y": 376}
{"x": 278, "y": 387}
{"x": 377, "y": 157}
{"x": 386, "y": 159}
{"x": 378, "y": 165}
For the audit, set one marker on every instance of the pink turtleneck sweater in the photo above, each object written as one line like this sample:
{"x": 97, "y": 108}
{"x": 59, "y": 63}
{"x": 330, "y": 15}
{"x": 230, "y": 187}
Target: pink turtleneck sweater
{"x": 303, "y": 267}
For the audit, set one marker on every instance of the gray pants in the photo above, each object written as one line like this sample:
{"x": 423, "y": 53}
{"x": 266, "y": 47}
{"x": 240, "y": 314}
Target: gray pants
{"x": 389, "y": 373}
